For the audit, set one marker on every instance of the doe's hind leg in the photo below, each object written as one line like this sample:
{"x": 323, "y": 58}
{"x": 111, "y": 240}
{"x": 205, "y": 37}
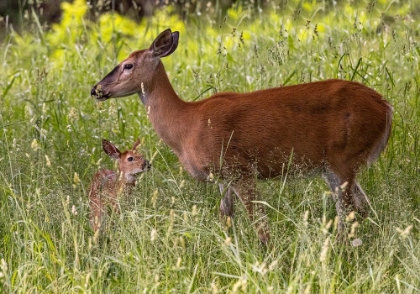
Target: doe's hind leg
{"x": 342, "y": 193}
{"x": 360, "y": 201}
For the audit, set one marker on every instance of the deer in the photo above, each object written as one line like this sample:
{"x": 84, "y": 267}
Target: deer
{"x": 333, "y": 127}
{"x": 108, "y": 187}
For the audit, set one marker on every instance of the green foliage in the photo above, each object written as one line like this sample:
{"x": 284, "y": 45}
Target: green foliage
{"x": 169, "y": 237}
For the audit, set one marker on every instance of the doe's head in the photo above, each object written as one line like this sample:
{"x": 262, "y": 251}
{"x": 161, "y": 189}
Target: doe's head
{"x": 136, "y": 73}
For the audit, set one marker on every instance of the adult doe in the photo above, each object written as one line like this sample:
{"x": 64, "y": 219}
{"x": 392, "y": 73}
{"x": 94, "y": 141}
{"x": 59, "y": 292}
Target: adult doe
{"x": 332, "y": 126}
{"x": 109, "y": 186}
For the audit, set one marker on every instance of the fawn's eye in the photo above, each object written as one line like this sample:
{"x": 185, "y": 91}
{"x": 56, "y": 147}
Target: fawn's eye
{"x": 130, "y": 158}
{"x": 128, "y": 66}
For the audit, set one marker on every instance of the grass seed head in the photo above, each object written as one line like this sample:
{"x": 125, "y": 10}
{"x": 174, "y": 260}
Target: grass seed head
{"x": 404, "y": 233}
{"x": 47, "y": 160}
{"x": 34, "y": 145}
{"x": 153, "y": 235}
{"x": 324, "y": 251}
{"x": 354, "y": 226}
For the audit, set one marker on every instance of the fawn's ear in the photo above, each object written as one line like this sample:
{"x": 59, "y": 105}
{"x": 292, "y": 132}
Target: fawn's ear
{"x": 110, "y": 149}
{"x": 165, "y": 43}
{"x": 137, "y": 143}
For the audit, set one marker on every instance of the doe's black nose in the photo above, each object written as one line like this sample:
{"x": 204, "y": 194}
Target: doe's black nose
{"x": 93, "y": 92}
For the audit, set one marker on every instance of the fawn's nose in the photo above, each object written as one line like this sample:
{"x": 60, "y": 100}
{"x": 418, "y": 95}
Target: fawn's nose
{"x": 146, "y": 165}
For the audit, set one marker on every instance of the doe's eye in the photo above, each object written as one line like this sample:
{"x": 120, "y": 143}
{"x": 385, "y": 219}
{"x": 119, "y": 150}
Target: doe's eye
{"x": 128, "y": 66}
{"x": 130, "y": 158}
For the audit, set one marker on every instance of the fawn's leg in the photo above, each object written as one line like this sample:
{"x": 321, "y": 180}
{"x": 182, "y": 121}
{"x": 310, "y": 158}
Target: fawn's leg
{"x": 96, "y": 212}
{"x": 115, "y": 204}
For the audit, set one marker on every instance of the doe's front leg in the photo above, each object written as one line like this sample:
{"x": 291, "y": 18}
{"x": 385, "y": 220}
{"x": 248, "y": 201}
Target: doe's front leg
{"x": 227, "y": 202}
{"x": 246, "y": 190}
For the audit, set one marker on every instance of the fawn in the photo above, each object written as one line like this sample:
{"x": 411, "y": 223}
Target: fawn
{"x": 109, "y": 186}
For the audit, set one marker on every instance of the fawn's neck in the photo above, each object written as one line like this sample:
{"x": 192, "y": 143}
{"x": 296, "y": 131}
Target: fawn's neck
{"x": 125, "y": 184}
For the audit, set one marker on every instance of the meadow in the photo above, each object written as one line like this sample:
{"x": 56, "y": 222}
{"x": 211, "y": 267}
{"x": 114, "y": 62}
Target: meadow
{"x": 169, "y": 237}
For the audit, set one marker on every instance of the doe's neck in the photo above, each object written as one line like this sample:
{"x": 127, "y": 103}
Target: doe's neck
{"x": 166, "y": 111}
{"x": 159, "y": 91}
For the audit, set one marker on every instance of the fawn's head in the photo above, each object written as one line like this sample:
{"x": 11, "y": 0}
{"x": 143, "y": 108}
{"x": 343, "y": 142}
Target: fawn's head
{"x": 130, "y": 163}
{"x": 135, "y": 73}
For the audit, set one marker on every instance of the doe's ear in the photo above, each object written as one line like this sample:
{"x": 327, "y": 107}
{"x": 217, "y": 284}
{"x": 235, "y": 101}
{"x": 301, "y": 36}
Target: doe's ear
{"x": 110, "y": 149}
{"x": 165, "y": 43}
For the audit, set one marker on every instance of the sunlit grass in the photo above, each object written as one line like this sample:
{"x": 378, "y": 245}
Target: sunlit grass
{"x": 169, "y": 237}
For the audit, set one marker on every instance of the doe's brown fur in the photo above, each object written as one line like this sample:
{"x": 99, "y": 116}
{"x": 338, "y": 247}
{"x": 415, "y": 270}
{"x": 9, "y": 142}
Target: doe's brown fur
{"x": 333, "y": 126}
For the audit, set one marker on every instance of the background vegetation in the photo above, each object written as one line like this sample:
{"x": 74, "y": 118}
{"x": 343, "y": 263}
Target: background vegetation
{"x": 169, "y": 237}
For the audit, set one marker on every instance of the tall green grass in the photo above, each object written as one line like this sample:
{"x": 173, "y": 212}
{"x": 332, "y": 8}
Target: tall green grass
{"x": 169, "y": 237}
